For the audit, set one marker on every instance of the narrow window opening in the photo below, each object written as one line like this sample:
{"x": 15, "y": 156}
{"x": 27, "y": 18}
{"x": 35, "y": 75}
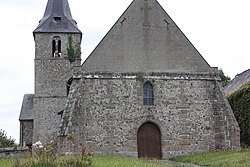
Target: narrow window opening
{"x": 59, "y": 48}
{"x": 148, "y": 96}
{"x": 56, "y": 47}
{"x": 53, "y": 48}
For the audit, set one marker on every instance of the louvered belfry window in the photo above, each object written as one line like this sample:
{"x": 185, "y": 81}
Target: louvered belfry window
{"x": 148, "y": 97}
{"x": 56, "y": 47}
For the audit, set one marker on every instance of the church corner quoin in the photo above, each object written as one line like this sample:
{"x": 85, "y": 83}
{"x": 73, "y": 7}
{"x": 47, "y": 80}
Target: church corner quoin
{"x": 145, "y": 91}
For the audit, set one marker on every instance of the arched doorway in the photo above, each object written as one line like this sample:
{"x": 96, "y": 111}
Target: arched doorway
{"x": 149, "y": 141}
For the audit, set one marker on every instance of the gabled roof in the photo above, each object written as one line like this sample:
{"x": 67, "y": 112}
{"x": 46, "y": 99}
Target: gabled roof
{"x": 145, "y": 39}
{"x": 237, "y": 82}
{"x": 57, "y": 18}
{"x": 27, "y": 112}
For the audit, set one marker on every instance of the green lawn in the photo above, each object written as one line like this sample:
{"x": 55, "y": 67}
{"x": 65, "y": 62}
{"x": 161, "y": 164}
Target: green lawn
{"x": 218, "y": 159}
{"x": 105, "y": 161}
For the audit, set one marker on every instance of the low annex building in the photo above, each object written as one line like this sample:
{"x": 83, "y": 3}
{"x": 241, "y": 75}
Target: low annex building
{"x": 145, "y": 91}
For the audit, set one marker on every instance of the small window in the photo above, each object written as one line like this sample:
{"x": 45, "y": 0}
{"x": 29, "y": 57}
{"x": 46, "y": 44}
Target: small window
{"x": 56, "y": 47}
{"x": 148, "y": 97}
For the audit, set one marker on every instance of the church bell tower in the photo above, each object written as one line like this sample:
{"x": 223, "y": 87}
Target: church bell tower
{"x": 52, "y": 67}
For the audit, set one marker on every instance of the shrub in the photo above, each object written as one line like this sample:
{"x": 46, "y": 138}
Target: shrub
{"x": 5, "y": 141}
{"x": 240, "y": 103}
{"x": 224, "y": 79}
{"x": 72, "y": 52}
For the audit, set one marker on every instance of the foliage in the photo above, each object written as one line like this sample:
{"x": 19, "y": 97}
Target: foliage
{"x": 44, "y": 154}
{"x": 224, "y": 79}
{"x": 84, "y": 161}
{"x": 45, "y": 157}
{"x": 218, "y": 159}
{"x": 240, "y": 103}
{"x": 5, "y": 141}
{"x": 72, "y": 53}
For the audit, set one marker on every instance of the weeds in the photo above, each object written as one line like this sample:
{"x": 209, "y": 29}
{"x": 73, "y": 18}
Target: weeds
{"x": 45, "y": 156}
{"x": 84, "y": 161}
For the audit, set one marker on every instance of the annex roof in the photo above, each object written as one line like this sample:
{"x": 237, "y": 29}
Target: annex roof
{"x": 57, "y": 18}
{"x": 145, "y": 39}
{"x": 27, "y": 112}
{"x": 237, "y": 82}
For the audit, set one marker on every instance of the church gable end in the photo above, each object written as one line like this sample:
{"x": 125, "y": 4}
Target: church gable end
{"x": 146, "y": 72}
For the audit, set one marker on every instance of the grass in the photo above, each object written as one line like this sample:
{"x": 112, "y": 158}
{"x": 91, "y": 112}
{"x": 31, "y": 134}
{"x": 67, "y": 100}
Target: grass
{"x": 104, "y": 161}
{"x": 6, "y": 162}
{"x": 212, "y": 159}
{"x": 218, "y": 159}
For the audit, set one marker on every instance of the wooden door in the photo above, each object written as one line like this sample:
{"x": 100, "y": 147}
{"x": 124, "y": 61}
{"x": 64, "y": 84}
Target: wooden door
{"x": 149, "y": 141}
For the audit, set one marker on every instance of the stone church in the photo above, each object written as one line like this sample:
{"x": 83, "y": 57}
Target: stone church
{"x": 144, "y": 91}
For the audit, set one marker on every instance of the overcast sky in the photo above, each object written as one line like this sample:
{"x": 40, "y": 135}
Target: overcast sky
{"x": 219, "y": 29}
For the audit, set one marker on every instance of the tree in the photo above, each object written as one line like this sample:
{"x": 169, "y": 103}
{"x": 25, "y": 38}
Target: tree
{"x": 224, "y": 79}
{"x": 72, "y": 53}
{"x": 5, "y": 141}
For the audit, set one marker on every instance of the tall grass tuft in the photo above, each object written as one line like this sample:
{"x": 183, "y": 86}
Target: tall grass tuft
{"x": 45, "y": 156}
{"x": 85, "y": 160}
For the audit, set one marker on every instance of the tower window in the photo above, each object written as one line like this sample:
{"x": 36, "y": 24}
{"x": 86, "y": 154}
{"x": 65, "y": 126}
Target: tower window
{"x": 56, "y": 47}
{"x": 148, "y": 97}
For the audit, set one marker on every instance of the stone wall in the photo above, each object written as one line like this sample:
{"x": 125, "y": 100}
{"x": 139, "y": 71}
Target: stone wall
{"x": 47, "y": 121}
{"x": 51, "y": 73}
{"x": 26, "y": 134}
{"x": 13, "y": 153}
{"x": 105, "y": 111}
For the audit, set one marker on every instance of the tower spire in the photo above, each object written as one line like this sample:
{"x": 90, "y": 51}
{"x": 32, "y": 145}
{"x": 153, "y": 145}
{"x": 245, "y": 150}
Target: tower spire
{"x": 57, "y": 18}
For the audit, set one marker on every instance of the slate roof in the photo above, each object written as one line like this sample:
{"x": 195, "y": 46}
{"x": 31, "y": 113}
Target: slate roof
{"x": 27, "y": 108}
{"x": 57, "y": 18}
{"x": 237, "y": 82}
{"x": 145, "y": 39}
